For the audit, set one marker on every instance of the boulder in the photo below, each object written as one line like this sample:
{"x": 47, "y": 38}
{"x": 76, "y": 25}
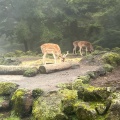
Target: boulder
{"x": 21, "y": 102}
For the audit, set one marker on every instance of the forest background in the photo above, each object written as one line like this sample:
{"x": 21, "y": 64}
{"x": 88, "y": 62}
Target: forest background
{"x": 26, "y": 24}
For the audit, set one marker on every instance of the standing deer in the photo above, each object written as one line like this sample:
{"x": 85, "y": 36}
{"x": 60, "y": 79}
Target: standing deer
{"x": 85, "y": 44}
{"x": 54, "y": 49}
{"x": 75, "y": 45}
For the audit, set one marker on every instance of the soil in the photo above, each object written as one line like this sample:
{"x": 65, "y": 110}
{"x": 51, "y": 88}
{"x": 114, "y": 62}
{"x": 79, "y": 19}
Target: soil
{"x": 111, "y": 79}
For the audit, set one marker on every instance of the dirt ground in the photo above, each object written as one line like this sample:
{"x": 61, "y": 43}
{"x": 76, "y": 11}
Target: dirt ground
{"x": 111, "y": 79}
{"x": 49, "y": 82}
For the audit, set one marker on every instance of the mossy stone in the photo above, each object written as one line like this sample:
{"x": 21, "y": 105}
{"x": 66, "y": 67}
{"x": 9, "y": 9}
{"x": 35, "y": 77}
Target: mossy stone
{"x": 21, "y": 102}
{"x": 108, "y": 67}
{"x": 48, "y": 108}
{"x": 84, "y": 111}
{"x": 68, "y": 99}
{"x": 6, "y": 88}
{"x": 37, "y": 92}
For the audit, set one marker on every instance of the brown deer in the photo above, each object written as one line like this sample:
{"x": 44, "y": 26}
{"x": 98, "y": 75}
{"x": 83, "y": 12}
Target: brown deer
{"x": 75, "y": 45}
{"x": 85, "y": 44}
{"x": 54, "y": 49}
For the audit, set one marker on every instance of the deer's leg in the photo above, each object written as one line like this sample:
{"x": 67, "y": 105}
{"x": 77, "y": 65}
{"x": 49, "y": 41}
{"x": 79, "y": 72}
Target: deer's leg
{"x": 74, "y": 50}
{"x": 80, "y": 51}
{"x": 44, "y": 56}
{"x": 54, "y": 58}
{"x": 86, "y": 50}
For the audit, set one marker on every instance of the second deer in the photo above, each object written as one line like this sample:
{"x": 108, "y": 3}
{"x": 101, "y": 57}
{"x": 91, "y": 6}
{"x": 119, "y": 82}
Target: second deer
{"x": 82, "y": 44}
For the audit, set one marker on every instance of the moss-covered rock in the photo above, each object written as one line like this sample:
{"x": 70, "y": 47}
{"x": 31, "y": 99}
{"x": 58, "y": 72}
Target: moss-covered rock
{"x": 65, "y": 86}
{"x": 84, "y": 111}
{"x": 99, "y": 72}
{"x": 108, "y": 67}
{"x": 37, "y": 92}
{"x": 91, "y": 74}
{"x": 114, "y": 111}
{"x": 6, "y": 88}
{"x": 85, "y": 79}
{"x": 111, "y": 58}
{"x": 90, "y": 93}
{"x": 68, "y": 99}
{"x": 4, "y": 103}
{"x": 21, "y": 102}
{"x": 48, "y": 108}
{"x": 77, "y": 84}
{"x": 30, "y": 72}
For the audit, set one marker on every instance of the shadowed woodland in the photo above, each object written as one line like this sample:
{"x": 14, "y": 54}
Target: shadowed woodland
{"x": 25, "y": 25}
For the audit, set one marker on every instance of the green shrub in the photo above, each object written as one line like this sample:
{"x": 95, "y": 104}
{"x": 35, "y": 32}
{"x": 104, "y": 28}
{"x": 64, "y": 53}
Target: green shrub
{"x": 98, "y": 48}
{"x": 10, "y": 54}
{"x": 30, "y": 72}
{"x": 19, "y": 53}
{"x": 111, "y": 58}
{"x": 116, "y": 49}
{"x": 31, "y": 53}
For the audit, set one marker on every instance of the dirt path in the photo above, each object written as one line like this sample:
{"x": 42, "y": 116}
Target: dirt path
{"x": 47, "y": 82}
{"x": 111, "y": 79}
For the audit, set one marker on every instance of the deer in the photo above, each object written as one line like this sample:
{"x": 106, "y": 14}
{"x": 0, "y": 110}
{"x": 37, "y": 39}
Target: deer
{"x": 75, "y": 45}
{"x": 54, "y": 49}
{"x": 85, "y": 44}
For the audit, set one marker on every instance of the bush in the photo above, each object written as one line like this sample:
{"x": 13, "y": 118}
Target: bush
{"x": 30, "y": 72}
{"x": 116, "y": 49}
{"x": 111, "y": 58}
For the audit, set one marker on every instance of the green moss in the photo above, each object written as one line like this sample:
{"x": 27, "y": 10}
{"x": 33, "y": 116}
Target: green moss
{"x": 1, "y": 99}
{"x": 37, "y": 92}
{"x": 68, "y": 99}
{"x": 65, "y": 86}
{"x": 6, "y": 88}
{"x": 17, "y": 102}
{"x": 77, "y": 84}
{"x": 30, "y": 72}
{"x": 84, "y": 111}
{"x": 69, "y": 94}
{"x": 48, "y": 108}
{"x": 85, "y": 78}
{"x": 111, "y": 58}
{"x": 91, "y": 93}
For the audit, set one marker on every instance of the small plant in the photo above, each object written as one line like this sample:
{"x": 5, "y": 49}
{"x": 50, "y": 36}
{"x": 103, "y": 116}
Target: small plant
{"x": 30, "y": 72}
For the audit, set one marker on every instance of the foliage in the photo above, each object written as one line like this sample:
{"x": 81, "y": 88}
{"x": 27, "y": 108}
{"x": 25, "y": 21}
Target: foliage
{"x": 30, "y": 72}
{"x": 111, "y": 58}
{"x": 32, "y": 23}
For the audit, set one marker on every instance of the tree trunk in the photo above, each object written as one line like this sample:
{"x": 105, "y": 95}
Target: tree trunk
{"x": 25, "y": 45}
{"x": 50, "y": 68}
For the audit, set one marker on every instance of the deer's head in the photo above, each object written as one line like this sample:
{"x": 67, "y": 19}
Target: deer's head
{"x": 63, "y": 57}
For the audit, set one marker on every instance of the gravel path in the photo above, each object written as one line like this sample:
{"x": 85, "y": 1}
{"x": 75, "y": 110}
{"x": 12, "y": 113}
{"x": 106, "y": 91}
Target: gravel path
{"x": 47, "y": 82}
